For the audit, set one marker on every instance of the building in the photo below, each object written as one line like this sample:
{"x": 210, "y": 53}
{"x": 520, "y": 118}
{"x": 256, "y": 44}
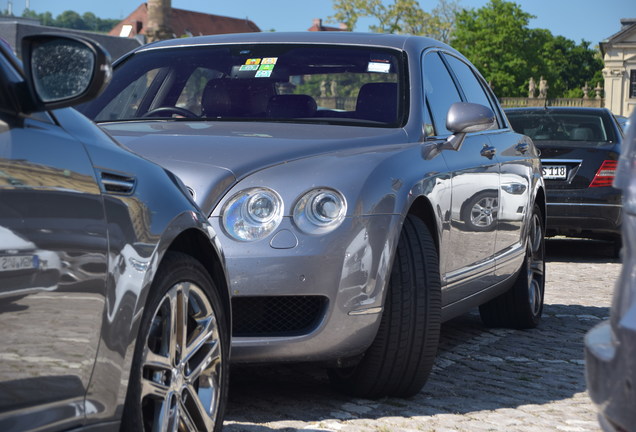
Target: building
{"x": 183, "y": 23}
{"x": 619, "y": 57}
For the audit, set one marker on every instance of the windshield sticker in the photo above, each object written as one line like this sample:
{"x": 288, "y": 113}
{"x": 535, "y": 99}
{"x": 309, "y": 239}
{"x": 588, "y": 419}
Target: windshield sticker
{"x": 263, "y": 73}
{"x": 253, "y": 61}
{"x": 249, "y": 67}
{"x": 270, "y": 60}
{"x": 379, "y": 67}
{"x": 266, "y": 67}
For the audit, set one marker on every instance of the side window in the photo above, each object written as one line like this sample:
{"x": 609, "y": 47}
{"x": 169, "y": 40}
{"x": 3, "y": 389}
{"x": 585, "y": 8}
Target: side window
{"x": 473, "y": 87}
{"x": 473, "y": 90}
{"x": 127, "y": 102}
{"x": 439, "y": 90}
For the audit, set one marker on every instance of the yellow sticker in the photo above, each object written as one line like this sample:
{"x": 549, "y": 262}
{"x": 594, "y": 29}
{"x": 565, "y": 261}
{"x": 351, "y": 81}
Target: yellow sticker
{"x": 269, "y": 60}
{"x": 253, "y": 61}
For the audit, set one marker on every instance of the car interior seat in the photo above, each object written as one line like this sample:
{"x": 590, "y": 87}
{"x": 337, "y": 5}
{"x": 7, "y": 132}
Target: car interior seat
{"x": 377, "y": 102}
{"x": 291, "y": 106}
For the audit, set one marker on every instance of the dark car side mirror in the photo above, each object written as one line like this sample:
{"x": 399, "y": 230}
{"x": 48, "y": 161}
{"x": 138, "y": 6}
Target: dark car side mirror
{"x": 63, "y": 70}
{"x": 465, "y": 117}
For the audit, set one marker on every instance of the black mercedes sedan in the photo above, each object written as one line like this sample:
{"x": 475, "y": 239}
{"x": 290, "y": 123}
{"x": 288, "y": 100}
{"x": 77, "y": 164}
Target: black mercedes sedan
{"x": 579, "y": 152}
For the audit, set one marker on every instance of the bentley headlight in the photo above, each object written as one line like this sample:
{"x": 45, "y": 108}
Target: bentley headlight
{"x": 252, "y": 214}
{"x": 320, "y": 211}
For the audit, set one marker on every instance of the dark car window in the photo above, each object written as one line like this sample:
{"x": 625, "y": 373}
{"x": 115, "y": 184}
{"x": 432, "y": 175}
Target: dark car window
{"x": 440, "y": 90}
{"x": 584, "y": 128}
{"x": 317, "y": 83}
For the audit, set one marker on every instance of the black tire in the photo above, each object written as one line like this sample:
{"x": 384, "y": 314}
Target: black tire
{"x": 479, "y": 213}
{"x": 170, "y": 385}
{"x": 401, "y": 357}
{"x": 522, "y": 305}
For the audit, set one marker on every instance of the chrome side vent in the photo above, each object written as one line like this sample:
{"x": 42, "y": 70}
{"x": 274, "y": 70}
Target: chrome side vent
{"x": 117, "y": 183}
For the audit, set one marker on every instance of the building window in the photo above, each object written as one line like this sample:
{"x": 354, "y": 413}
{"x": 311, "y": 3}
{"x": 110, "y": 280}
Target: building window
{"x": 632, "y": 83}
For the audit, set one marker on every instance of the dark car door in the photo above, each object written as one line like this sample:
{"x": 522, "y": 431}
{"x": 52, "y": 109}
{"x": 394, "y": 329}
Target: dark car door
{"x": 515, "y": 156}
{"x": 474, "y": 175}
{"x": 53, "y": 262}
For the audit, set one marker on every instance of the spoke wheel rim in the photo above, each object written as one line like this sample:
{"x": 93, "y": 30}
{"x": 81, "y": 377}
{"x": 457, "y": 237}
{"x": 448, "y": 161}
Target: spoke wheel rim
{"x": 483, "y": 212}
{"x": 181, "y": 363}
{"x": 535, "y": 265}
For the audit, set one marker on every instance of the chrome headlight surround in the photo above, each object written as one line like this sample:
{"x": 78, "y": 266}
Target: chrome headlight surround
{"x": 320, "y": 211}
{"x": 252, "y": 214}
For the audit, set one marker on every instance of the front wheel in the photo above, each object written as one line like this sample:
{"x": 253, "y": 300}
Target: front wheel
{"x": 179, "y": 376}
{"x": 522, "y": 305}
{"x": 401, "y": 357}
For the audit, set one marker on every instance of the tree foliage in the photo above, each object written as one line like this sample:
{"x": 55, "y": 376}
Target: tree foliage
{"x": 73, "y": 20}
{"x": 400, "y": 16}
{"x": 496, "y": 38}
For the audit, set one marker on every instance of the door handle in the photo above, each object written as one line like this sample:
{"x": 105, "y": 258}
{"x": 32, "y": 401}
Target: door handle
{"x": 488, "y": 151}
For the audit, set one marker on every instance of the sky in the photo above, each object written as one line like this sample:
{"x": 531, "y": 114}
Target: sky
{"x": 578, "y": 20}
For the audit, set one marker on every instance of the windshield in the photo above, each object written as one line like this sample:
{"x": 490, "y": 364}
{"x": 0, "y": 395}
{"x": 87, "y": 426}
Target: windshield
{"x": 585, "y": 128}
{"x": 282, "y": 82}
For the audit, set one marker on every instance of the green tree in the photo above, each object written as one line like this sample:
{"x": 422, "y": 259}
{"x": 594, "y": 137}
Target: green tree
{"x": 400, "y": 16}
{"x": 496, "y": 38}
{"x": 70, "y": 19}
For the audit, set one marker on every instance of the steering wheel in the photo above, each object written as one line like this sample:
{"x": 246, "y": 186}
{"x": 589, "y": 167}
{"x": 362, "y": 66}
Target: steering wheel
{"x": 170, "y": 110}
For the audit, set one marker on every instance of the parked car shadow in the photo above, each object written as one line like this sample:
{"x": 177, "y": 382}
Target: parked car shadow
{"x": 477, "y": 369}
{"x": 565, "y": 249}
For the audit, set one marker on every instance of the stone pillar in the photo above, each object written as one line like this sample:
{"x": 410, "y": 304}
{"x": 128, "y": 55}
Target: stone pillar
{"x": 158, "y": 24}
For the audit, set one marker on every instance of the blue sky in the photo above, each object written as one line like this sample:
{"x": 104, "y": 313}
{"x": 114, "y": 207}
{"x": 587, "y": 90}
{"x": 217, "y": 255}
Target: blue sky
{"x": 574, "y": 19}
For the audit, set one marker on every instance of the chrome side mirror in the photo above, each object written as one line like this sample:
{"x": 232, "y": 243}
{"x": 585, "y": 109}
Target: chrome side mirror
{"x": 465, "y": 117}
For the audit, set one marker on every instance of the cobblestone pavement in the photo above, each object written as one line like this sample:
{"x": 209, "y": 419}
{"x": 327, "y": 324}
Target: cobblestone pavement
{"x": 484, "y": 379}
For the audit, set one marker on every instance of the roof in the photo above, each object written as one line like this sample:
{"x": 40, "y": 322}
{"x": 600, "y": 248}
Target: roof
{"x": 184, "y": 22}
{"x": 345, "y": 38}
{"x": 628, "y": 28}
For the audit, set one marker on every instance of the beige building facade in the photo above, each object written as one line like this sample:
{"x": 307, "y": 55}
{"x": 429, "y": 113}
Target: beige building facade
{"x": 619, "y": 57}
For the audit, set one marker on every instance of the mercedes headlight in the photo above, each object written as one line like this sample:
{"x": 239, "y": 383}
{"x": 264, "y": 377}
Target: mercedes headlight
{"x": 252, "y": 214}
{"x": 320, "y": 211}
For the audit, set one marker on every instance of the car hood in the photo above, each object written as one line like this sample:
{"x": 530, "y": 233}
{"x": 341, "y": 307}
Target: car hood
{"x": 210, "y": 157}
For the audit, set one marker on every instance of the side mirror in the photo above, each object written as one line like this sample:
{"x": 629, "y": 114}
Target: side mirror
{"x": 63, "y": 70}
{"x": 463, "y": 118}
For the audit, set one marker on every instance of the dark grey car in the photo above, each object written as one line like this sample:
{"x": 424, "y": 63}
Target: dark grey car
{"x": 114, "y": 306}
{"x": 365, "y": 188}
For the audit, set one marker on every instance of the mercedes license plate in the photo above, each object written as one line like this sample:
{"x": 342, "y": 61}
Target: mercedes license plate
{"x": 555, "y": 172}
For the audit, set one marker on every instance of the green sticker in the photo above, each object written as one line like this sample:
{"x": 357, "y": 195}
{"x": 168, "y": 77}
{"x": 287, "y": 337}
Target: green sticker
{"x": 248, "y": 68}
{"x": 264, "y": 67}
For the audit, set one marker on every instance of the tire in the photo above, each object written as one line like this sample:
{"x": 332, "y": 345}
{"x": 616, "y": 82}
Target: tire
{"x": 401, "y": 357}
{"x": 172, "y": 388}
{"x": 479, "y": 213}
{"x": 522, "y": 305}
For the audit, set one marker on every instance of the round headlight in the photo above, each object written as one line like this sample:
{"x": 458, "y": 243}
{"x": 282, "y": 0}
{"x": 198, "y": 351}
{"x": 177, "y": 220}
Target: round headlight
{"x": 252, "y": 214}
{"x": 320, "y": 211}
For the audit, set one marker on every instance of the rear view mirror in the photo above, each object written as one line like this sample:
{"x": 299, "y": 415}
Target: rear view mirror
{"x": 64, "y": 70}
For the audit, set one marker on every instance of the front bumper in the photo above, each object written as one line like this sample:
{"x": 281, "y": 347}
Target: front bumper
{"x": 610, "y": 361}
{"x": 345, "y": 271}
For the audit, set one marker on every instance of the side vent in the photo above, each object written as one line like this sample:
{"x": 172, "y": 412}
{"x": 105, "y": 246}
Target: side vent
{"x": 117, "y": 183}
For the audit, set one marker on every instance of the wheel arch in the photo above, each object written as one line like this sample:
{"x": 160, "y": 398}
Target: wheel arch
{"x": 423, "y": 209}
{"x": 196, "y": 244}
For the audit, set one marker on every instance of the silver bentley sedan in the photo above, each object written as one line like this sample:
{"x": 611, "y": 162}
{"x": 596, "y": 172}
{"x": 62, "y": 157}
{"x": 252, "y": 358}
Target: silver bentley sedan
{"x": 365, "y": 188}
